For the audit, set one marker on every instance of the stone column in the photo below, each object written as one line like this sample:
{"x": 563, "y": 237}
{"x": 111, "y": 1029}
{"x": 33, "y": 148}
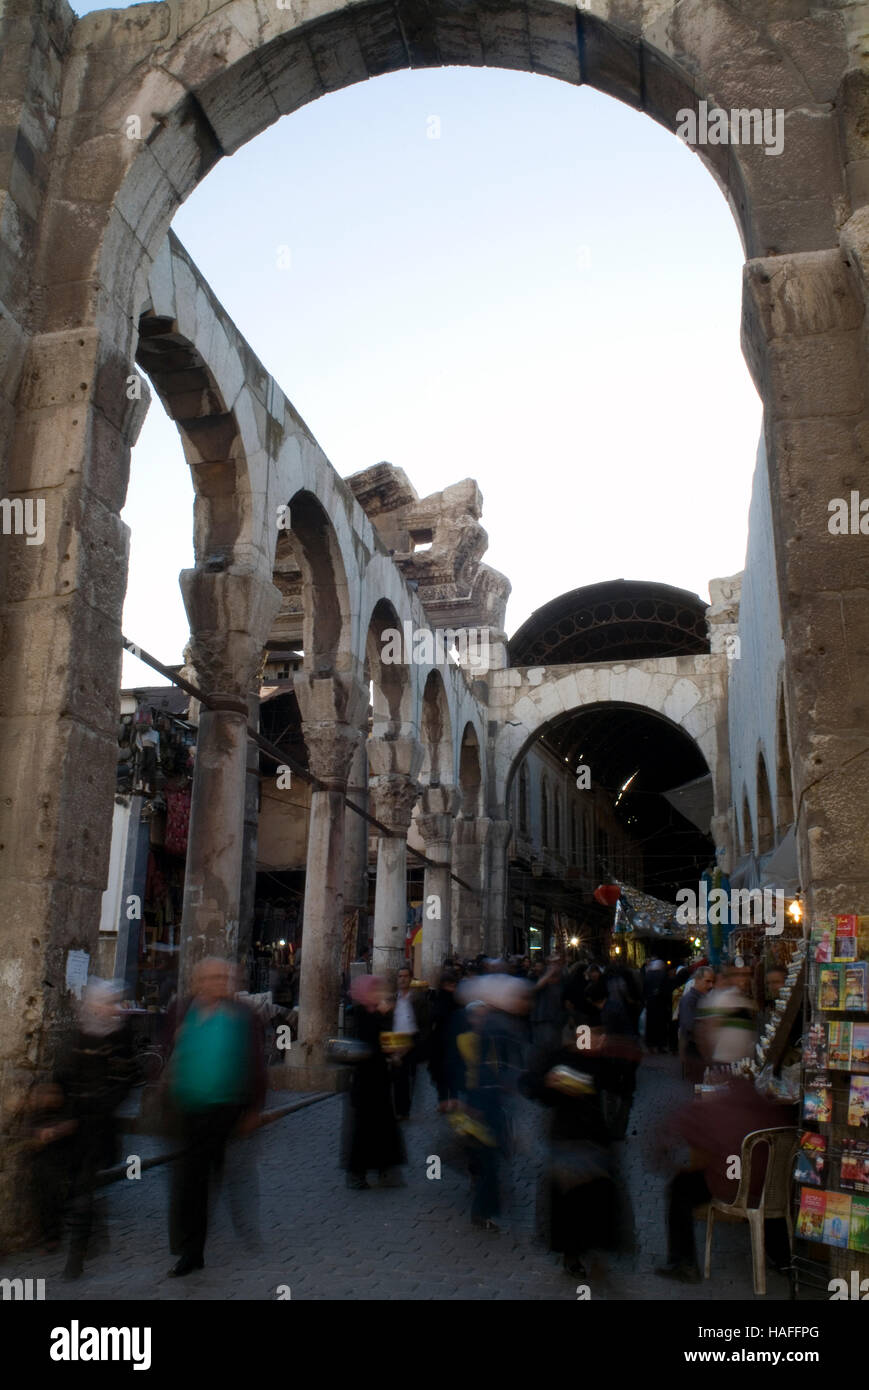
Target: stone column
{"x": 804, "y": 320}
{"x": 469, "y": 843}
{"x": 356, "y": 831}
{"x": 247, "y": 897}
{"x": 497, "y": 885}
{"x": 393, "y": 788}
{"x": 230, "y": 616}
{"x": 435, "y": 824}
{"x": 333, "y": 712}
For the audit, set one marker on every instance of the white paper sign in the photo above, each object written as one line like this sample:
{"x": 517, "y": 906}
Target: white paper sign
{"x": 77, "y": 971}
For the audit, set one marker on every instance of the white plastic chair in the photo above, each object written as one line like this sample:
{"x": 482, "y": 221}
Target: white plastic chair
{"x": 774, "y": 1200}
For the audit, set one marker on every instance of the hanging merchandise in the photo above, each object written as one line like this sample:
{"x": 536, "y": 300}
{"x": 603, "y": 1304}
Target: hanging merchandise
{"x": 717, "y": 931}
{"x": 177, "y": 821}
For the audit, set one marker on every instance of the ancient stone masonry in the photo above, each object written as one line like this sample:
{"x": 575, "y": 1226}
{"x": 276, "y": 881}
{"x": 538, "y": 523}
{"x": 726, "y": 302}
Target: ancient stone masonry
{"x": 110, "y": 122}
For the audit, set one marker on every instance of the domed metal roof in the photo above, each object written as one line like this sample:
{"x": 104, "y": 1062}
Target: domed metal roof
{"x": 619, "y": 620}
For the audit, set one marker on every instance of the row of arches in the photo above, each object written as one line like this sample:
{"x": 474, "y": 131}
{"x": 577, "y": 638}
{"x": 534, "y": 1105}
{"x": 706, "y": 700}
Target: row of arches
{"x": 774, "y": 810}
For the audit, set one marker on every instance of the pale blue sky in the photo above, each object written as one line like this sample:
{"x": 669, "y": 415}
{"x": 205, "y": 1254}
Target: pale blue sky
{"x": 546, "y": 298}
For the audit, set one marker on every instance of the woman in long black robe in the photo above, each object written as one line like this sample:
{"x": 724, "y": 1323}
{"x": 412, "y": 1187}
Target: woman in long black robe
{"x": 580, "y": 1201}
{"x": 372, "y": 1138}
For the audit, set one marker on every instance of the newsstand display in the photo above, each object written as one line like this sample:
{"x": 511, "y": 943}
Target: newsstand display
{"x": 831, "y": 1175}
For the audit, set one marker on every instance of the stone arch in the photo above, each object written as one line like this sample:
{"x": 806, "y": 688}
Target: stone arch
{"x": 326, "y": 615}
{"x": 765, "y": 823}
{"x": 210, "y": 435}
{"x": 471, "y": 775}
{"x": 224, "y": 79}
{"x": 392, "y": 692}
{"x": 784, "y": 793}
{"x": 436, "y": 733}
{"x": 548, "y": 696}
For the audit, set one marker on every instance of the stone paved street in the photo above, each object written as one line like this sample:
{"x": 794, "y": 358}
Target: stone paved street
{"x": 326, "y": 1242}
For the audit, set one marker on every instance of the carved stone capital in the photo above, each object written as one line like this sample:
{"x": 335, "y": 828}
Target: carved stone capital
{"x": 331, "y": 750}
{"x": 438, "y": 806}
{"x": 393, "y": 786}
{"x": 333, "y": 710}
{"x": 392, "y": 798}
{"x": 230, "y": 619}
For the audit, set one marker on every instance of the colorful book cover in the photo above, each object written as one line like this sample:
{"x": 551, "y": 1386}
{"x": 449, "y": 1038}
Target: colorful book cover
{"x": 837, "y": 1219}
{"x": 854, "y": 1172}
{"x": 811, "y": 1158}
{"x": 839, "y": 1045}
{"x": 859, "y": 1233}
{"x": 818, "y": 1100}
{"x": 846, "y": 948}
{"x": 830, "y": 987}
{"x": 848, "y": 1169}
{"x": 822, "y": 944}
{"x": 810, "y": 1222}
{"x": 858, "y": 1102}
{"x": 815, "y": 1054}
{"x": 860, "y": 1047}
{"x": 846, "y": 924}
{"x": 856, "y": 986}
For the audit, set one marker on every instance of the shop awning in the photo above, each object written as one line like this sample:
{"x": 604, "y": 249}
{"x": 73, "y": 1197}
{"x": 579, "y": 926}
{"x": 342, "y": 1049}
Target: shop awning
{"x": 781, "y": 869}
{"x": 694, "y": 800}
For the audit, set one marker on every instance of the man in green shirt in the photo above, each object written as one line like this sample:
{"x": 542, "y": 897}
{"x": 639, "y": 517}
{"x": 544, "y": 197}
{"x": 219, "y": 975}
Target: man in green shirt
{"x": 216, "y": 1087}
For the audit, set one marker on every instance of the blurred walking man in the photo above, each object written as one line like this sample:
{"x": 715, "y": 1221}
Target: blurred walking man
{"x": 216, "y": 1087}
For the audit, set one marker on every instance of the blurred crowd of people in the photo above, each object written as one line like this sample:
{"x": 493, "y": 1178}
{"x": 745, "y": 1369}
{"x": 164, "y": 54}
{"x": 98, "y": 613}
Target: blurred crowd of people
{"x": 568, "y": 1039}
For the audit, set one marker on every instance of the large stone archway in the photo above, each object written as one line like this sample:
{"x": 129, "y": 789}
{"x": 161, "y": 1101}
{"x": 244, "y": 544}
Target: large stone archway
{"x": 688, "y": 692}
{"x": 118, "y": 116}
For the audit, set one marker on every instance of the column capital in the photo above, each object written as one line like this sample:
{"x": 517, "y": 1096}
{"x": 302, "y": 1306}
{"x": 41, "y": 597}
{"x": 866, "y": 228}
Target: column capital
{"x": 394, "y": 765}
{"x": 438, "y": 807}
{"x": 230, "y": 618}
{"x": 333, "y": 710}
{"x": 499, "y": 833}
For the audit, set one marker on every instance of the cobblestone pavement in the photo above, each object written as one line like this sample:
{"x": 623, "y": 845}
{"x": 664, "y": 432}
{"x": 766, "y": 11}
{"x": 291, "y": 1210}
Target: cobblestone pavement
{"x": 323, "y": 1241}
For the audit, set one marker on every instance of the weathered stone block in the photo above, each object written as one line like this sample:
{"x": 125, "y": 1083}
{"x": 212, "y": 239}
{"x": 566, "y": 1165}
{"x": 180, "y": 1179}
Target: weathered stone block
{"x": 239, "y": 104}
{"x": 380, "y": 38}
{"x": 336, "y": 53}
{"x": 610, "y": 59}
{"x": 553, "y": 38}
{"x": 291, "y": 73}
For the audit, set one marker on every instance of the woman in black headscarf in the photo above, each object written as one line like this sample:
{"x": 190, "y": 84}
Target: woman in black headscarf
{"x": 580, "y": 1202}
{"x": 95, "y": 1070}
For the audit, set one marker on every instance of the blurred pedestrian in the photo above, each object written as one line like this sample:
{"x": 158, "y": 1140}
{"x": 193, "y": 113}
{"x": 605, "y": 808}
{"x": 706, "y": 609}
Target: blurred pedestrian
{"x": 548, "y": 1014}
{"x": 216, "y": 1086}
{"x": 94, "y": 1071}
{"x": 480, "y": 1117}
{"x": 372, "y": 1138}
{"x": 410, "y": 1016}
{"x": 715, "y": 1126}
{"x": 696, "y": 990}
{"x": 726, "y": 1020}
{"x": 657, "y": 1000}
{"x": 444, "y": 1009}
{"x": 580, "y": 1201}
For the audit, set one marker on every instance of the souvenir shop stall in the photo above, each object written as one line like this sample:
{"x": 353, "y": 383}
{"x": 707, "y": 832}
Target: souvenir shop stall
{"x": 644, "y": 926}
{"x": 156, "y": 750}
{"x": 831, "y": 1188}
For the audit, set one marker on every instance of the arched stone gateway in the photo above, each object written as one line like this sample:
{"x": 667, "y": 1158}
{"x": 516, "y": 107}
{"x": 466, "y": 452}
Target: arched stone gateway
{"x": 114, "y": 120}
{"x": 689, "y": 692}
